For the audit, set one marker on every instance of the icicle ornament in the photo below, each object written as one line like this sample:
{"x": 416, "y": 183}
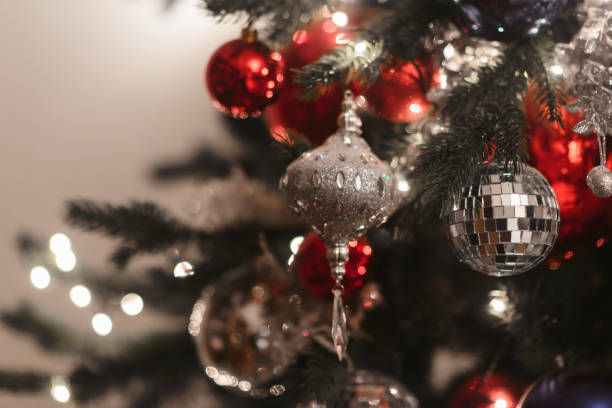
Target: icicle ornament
{"x": 342, "y": 189}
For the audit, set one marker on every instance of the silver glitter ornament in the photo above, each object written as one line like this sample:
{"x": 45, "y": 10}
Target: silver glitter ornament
{"x": 366, "y": 389}
{"x": 341, "y": 188}
{"x": 599, "y": 181}
{"x": 587, "y": 62}
{"x": 504, "y": 223}
{"x": 248, "y": 328}
{"x": 599, "y": 178}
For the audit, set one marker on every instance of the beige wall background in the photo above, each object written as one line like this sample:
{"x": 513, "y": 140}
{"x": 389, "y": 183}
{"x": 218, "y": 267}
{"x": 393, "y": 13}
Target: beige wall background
{"x": 92, "y": 93}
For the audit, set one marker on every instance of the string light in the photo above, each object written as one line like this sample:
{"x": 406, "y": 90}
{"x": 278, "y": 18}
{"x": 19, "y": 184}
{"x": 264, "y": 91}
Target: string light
{"x": 361, "y": 47}
{"x": 183, "y": 269}
{"x": 66, "y": 261}
{"x": 500, "y": 305}
{"x": 340, "y": 18}
{"x": 59, "y": 243}
{"x": 40, "y": 277}
{"x": 59, "y": 390}
{"x": 102, "y": 324}
{"x": 132, "y": 304}
{"x": 501, "y": 403}
{"x": 295, "y": 244}
{"x": 80, "y": 296}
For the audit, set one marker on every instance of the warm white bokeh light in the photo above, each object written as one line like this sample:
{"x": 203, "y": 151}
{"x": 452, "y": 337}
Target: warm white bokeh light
{"x": 361, "y": 47}
{"x": 80, "y": 296}
{"x": 501, "y": 403}
{"x": 102, "y": 324}
{"x": 40, "y": 277}
{"x": 498, "y": 305}
{"x": 59, "y": 243}
{"x": 340, "y": 18}
{"x": 132, "y": 304}
{"x": 66, "y": 261}
{"x": 403, "y": 186}
{"x": 60, "y": 391}
{"x": 295, "y": 244}
{"x": 183, "y": 269}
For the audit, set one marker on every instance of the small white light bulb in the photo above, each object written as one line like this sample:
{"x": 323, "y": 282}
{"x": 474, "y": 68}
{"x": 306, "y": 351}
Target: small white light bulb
{"x": 40, "y": 277}
{"x": 102, "y": 324}
{"x": 132, "y": 304}
{"x": 80, "y": 296}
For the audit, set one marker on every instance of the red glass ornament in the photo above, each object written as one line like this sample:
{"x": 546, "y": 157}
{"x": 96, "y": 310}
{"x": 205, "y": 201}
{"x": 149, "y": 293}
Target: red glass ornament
{"x": 565, "y": 158}
{"x": 399, "y": 93}
{"x": 314, "y": 272}
{"x": 244, "y": 76}
{"x": 495, "y": 391}
{"x": 316, "y": 119}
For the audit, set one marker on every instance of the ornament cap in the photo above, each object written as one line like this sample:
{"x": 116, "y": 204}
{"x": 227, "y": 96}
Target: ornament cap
{"x": 249, "y": 34}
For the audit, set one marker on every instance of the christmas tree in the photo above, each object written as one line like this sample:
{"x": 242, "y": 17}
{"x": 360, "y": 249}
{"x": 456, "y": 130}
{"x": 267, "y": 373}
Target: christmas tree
{"x": 420, "y": 218}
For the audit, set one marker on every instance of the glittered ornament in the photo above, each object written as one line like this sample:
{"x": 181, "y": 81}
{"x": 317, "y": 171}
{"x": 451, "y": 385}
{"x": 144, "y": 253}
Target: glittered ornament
{"x": 341, "y": 188}
{"x": 244, "y": 76}
{"x": 488, "y": 391}
{"x": 565, "y": 158}
{"x": 504, "y": 223}
{"x": 599, "y": 181}
{"x": 505, "y": 20}
{"x": 365, "y": 389}
{"x": 313, "y": 268}
{"x": 570, "y": 390}
{"x": 247, "y": 327}
{"x": 461, "y": 58}
{"x": 399, "y": 93}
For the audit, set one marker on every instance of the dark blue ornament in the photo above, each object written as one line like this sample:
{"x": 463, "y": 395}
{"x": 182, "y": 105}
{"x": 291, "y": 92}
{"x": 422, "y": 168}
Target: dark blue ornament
{"x": 505, "y": 20}
{"x": 570, "y": 390}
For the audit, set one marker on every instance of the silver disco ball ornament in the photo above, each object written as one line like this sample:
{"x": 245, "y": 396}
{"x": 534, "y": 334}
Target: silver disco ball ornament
{"x": 369, "y": 389}
{"x": 503, "y": 223}
{"x": 248, "y": 327}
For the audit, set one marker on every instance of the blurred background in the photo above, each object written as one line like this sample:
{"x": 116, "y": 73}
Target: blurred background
{"x": 92, "y": 95}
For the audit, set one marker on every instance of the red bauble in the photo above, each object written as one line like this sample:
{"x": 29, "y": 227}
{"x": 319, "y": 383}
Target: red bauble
{"x": 244, "y": 76}
{"x": 565, "y": 158}
{"x": 496, "y": 391}
{"x": 315, "y": 119}
{"x": 398, "y": 94}
{"x": 314, "y": 272}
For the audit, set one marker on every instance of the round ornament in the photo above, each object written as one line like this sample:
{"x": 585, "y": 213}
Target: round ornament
{"x": 316, "y": 119}
{"x": 492, "y": 391}
{"x": 341, "y": 187}
{"x": 503, "y": 223}
{"x": 399, "y": 93}
{"x": 247, "y": 327}
{"x": 565, "y": 158}
{"x": 570, "y": 390}
{"x": 244, "y": 76}
{"x": 365, "y": 389}
{"x": 313, "y": 268}
{"x": 599, "y": 181}
{"x": 505, "y": 20}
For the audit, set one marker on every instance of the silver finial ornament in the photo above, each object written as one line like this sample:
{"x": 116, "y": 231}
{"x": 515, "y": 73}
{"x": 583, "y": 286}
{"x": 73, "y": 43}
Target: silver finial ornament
{"x": 341, "y": 188}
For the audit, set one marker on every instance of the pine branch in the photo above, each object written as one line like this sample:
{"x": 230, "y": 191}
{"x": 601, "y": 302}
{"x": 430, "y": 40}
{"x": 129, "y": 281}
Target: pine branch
{"x": 283, "y": 17}
{"x": 21, "y": 381}
{"x": 486, "y": 120}
{"x": 142, "y": 226}
{"x": 359, "y": 60}
{"x": 164, "y": 361}
{"x": 50, "y": 335}
{"x": 323, "y": 377}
